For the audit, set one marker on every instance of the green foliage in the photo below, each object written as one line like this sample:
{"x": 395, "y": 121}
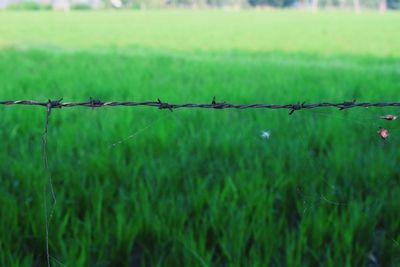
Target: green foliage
{"x": 394, "y": 4}
{"x": 274, "y": 3}
{"x": 28, "y": 6}
{"x": 81, "y": 6}
{"x": 135, "y": 6}
{"x": 199, "y": 187}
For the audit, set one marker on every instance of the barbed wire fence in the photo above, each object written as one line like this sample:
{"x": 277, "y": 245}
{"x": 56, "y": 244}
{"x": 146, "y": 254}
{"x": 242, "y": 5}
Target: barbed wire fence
{"x": 96, "y": 103}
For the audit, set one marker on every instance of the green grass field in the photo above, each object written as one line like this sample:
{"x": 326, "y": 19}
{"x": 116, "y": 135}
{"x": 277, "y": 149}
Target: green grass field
{"x": 200, "y": 187}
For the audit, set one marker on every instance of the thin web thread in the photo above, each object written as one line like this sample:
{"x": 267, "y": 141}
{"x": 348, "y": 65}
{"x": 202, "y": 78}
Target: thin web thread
{"x": 48, "y": 216}
{"x": 148, "y": 126}
{"x": 370, "y": 120}
{"x": 50, "y": 105}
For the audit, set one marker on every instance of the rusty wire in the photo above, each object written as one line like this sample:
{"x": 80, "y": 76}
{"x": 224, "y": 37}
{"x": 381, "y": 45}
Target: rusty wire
{"x": 96, "y": 103}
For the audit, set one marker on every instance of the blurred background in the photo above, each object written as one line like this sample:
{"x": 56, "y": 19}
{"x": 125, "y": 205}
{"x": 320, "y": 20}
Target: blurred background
{"x": 138, "y": 186}
{"x": 314, "y": 5}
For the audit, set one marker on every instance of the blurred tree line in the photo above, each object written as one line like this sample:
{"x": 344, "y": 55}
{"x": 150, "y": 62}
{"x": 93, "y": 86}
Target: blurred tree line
{"x": 315, "y": 4}
{"x": 357, "y": 5}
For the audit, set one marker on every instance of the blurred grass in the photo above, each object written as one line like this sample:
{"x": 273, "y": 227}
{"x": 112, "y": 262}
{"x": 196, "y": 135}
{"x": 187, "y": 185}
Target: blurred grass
{"x": 369, "y": 33}
{"x": 199, "y": 187}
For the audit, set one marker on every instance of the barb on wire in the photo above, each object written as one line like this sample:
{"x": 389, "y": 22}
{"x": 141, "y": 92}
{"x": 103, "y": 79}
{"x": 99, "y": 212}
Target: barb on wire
{"x": 297, "y": 107}
{"x": 217, "y": 105}
{"x": 96, "y": 103}
{"x": 163, "y": 105}
{"x": 347, "y": 105}
{"x": 50, "y": 105}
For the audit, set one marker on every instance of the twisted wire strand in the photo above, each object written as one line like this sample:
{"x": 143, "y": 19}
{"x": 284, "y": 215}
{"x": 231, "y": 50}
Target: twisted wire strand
{"x": 95, "y": 103}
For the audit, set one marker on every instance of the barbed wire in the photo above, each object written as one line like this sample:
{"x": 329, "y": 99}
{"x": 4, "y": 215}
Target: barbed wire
{"x": 96, "y": 103}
